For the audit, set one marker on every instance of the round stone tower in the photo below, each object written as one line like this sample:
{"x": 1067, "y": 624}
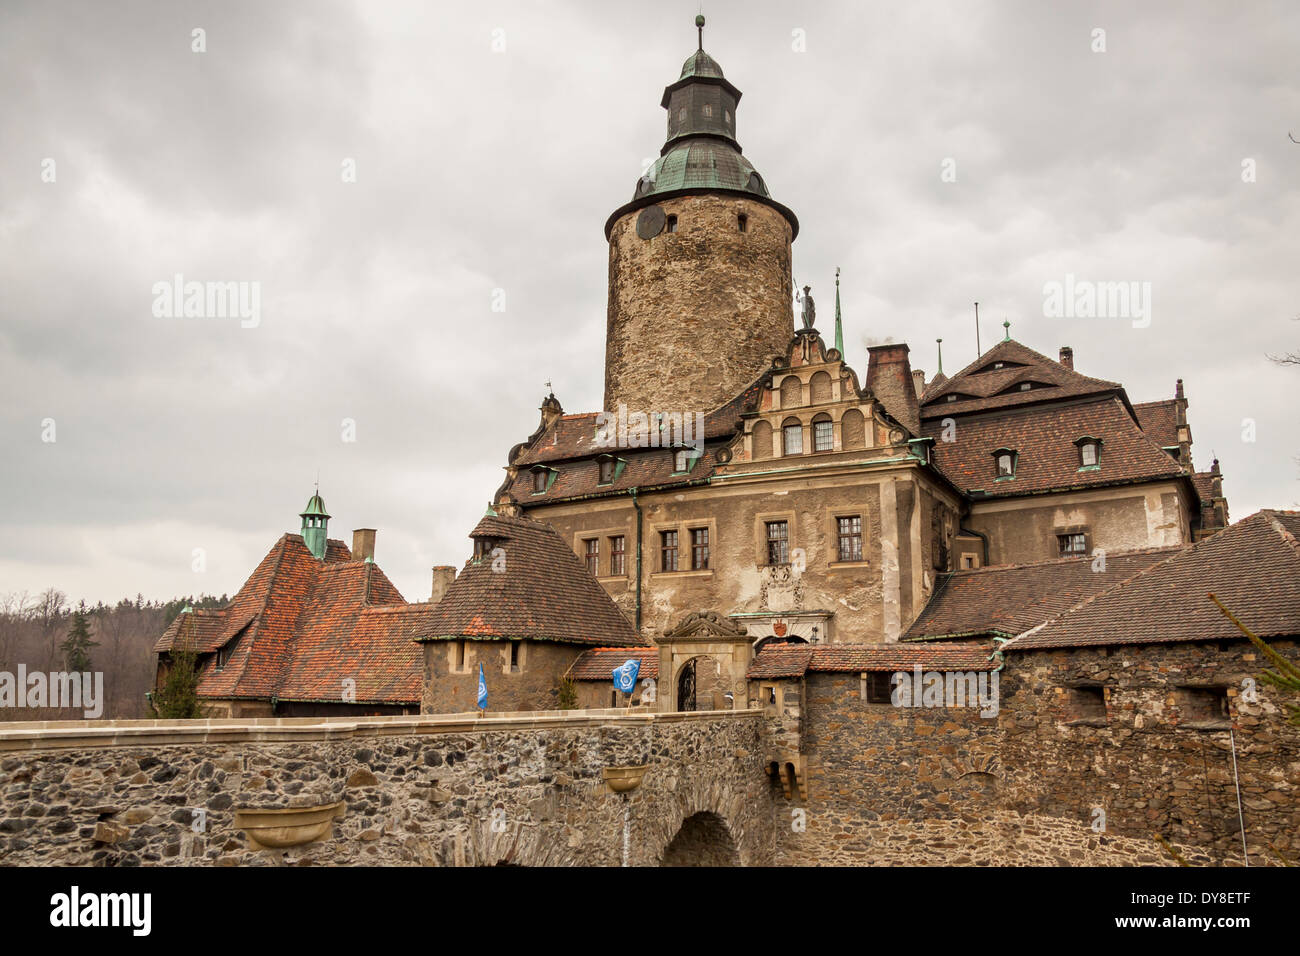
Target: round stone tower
{"x": 699, "y": 261}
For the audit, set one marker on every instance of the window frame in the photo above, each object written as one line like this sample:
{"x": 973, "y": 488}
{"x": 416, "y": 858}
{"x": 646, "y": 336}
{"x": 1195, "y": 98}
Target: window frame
{"x": 591, "y": 555}
{"x": 782, "y": 541}
{"x": 619, "y": 553}
{"x": 1066, "y": 552}
{"x": 789, "y": 428}
{"x": 998, "y": 455}
{"x": 697, "y": 547}
{"x": 851, "y": 535}
{"x": 665, "y": 550}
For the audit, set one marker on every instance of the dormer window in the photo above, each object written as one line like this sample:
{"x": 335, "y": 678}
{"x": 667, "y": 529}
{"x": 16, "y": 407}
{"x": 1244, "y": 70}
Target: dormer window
{"x": 952, "y": 398}
{"x": 607, "y": 468}
{"x": 1026, "y": 386}
{"x": 541, "y": 480}
{"x": 484, "y": 545}
{"x": 1005, "y": 459}
{"x": 683, "y": 459}
{"x": 1089, "y": 452}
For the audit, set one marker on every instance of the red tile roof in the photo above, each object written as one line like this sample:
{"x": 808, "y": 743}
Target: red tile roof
{"x": 298, "y": 627}
{"x": 794, "y": 660}
{"x": 980, "y": 388}
{"x": 544, "y": 593}
{"x": 598, "y": 663}
{"x": 1159, "y": 420}
{"x": 1047, "y": 458}
{"x": 1253, "y": 567}
{"x": 1006, "y": 600}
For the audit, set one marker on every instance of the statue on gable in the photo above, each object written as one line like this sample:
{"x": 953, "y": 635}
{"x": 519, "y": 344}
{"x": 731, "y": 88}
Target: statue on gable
{"x": 809, "y": 307}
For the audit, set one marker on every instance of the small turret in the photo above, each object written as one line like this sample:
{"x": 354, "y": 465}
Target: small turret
{"x": 315, "y": 526}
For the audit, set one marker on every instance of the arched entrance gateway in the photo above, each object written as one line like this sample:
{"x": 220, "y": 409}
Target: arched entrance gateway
{"x": 702, "y": 840}
{"x": 707, "y": 657}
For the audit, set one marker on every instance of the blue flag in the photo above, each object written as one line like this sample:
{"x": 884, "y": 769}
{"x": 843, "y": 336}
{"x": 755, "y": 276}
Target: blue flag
{"x": 625, "y": 676}
{"x": 482, "y": 688}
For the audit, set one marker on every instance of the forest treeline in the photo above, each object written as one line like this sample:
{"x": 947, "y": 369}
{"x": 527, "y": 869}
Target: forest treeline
{"x": 42, "y": 632}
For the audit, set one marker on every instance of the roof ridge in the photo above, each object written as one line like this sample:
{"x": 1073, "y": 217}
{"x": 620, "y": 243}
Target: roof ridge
{"x": 1066, "y": 560}
{"x": 1103, "y": 591}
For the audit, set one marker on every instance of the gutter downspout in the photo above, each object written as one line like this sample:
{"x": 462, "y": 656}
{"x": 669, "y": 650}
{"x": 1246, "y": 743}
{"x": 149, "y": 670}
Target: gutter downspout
{"x": 639, "y": 519}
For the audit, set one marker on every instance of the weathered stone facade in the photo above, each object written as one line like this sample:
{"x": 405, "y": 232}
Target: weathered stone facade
{"x": 708, "y": 301}
{"x": 527, "y": 790}
{"x": 451, "y": 674}
{"x": 1049, "y": 779}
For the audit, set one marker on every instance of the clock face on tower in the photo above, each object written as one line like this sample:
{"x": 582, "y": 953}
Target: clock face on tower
{"x": 651, "y": 222}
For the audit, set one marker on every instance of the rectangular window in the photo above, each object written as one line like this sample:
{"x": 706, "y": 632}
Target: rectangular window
{"x": 850, "y": 536}
{"x": 540, "y": 477}
{"x": 699, "y": 549}
{"x": 792, "y": 437}
{"x": 778, "y": 542}
{"x": 878, "y": 687}
{"x": 617, "y": 560}
{"x": 823, "y": 436}
{"x": 514, "y": 657}
{"x": 1088, "y": 454}
{"x": 668, "y": 551}
{"x": 1086, "y": 703}
{"x": 1203, "y": 707}
{"x": 1072, "y": 545}
{"x": 593, "y": 555}
{"x": 460, "y": 655}
{"x": 606, "y": 471}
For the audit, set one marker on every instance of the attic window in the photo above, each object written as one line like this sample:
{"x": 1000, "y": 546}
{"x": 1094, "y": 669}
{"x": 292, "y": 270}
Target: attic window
{"x": 607, "y": 466}
{"x": 485, "y": 545}
{"x": 1089, "y": 452}
{"x": 1026, "y": 386}
{"x": 672, "y": 224}
{"x": 541, "y": 479}
{"x": 683, "y": 460}
{"x": 952, "y": 398}
{"x": 1006, "y": 462}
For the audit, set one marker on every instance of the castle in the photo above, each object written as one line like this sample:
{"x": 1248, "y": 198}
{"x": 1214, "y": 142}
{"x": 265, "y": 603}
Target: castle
{"x": 763, "y": 529}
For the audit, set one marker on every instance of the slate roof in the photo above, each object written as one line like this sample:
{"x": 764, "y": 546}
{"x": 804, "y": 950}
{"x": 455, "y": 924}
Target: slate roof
{"x": 1006, "y": 600}
{"x": 598, "y": 663}
{"x": 981, "y": 390}
{"x": 1159, "y": 420}
{"x": 544, "y": 594}
{"x": 1044, "y": 437}
{"x": 298, "y": 627}
{"x": 794, "y": 660}
{"x": 1253, "y": 567}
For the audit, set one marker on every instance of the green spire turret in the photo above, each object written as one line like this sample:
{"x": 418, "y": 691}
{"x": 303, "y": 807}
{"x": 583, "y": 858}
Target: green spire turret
{"x": 315, "y": 525}
{"x": 1006, "y": 324}
{"x": 839, "y": 325}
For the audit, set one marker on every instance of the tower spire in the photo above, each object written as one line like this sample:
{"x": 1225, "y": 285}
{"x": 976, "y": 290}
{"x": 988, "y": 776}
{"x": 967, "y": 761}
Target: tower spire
{"x": 699, "y": 26}
{"x": 939, "y": 342}
{"x": 839, "y": 325}
{"x": 1006, "y": 324}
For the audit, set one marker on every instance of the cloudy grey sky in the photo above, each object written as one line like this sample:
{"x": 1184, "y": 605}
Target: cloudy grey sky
{"x": 480, "y": 169}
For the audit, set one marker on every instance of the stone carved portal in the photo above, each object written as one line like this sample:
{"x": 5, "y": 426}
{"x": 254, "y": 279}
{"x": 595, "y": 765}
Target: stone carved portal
{"x": 703, "y": 840}
{"x": 707, "y": 657}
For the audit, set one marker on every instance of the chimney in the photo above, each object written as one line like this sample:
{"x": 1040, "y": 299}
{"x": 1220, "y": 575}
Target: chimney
{"x": 443, "y": 576}
{"x": 889, "y": 378}
{"x": 918, "y": 382}
{"x": 1067, "y": 356}
{"x": 363, "y": 544}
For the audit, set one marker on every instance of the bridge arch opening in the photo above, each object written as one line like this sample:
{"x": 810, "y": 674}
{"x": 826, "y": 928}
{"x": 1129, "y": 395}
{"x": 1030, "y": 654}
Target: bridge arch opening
{"x": 703, "y": 840}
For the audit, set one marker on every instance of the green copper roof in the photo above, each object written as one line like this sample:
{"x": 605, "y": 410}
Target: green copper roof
{"x": 701, "y": 163}
{"x": 315, "y": 506}
{"x": 700, "y": 63}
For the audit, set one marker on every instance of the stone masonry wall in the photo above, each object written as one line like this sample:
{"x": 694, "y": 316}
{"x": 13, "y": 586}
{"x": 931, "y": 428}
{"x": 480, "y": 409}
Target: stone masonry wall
{"x": 416, "y": 790}
{"x": 709, "y": 303}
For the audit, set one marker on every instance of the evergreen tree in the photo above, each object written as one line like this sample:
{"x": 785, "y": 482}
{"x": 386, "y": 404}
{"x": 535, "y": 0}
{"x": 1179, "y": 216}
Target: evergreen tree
{"x": 178, "y": 698}
{"x": 76, "y": 648}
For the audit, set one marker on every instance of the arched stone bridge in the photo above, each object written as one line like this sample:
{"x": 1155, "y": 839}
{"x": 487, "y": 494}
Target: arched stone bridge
{"x": 538, "y": 789}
